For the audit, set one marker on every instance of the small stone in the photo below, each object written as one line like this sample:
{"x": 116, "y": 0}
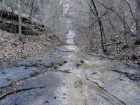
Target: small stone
{"x": 94, "y": 73}
{"x": 81, "y": 61}
{"x": 65, "y": 62}
{"x": 58, "y": 56}
{"x": 46, "y": 102}
{"x": 60, "y": 64}
{"x": 55, "y": 67}
{"x": 3, "y": 72}
{"x": 77, "y": 65}
{"x": 8, "y": 79}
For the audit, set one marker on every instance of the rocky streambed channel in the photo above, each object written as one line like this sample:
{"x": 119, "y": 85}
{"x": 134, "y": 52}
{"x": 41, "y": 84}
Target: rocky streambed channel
{"x": 68, "y": 76}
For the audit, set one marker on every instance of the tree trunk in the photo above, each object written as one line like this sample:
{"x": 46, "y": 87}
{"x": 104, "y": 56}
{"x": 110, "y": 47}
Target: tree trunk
{"x": 3, "y": 3}
{"x": 31, "y": 10}
{"x": 19, "y": 17}
{"x": 138, "y": 19}
{"x": 101, "y": 27}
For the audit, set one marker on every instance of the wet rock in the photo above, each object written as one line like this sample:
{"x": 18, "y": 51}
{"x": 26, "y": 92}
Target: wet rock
{"x": 55, "y": 67}
{"x": 81, "y": 61}
{"x": 60, "y": 64}
{"x": 133, "y": 77}
{"x": 34, "y": 91}
{"x": 137, "y": 42}
{"x": 134, "y": 57}
{"x": 34, "y": 74}
{"x": 96, "y": 79}
{"x": 77, "y": 64}
{"x": 65, "y": 62}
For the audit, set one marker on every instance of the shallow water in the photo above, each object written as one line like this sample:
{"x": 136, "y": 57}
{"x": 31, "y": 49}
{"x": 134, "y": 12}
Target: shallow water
{"x": 78, "y": 79}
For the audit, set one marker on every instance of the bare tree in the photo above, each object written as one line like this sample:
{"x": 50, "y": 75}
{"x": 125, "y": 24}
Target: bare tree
{"x": 138, "y": 19}
{"x": 19, "y": 17}
{"x": 32, "y": 4}
{"x": 48, "y": 13}
{"x": 100, "y": 25}
{"x": 114, "y": 24}
{"x": 3, "y": 4}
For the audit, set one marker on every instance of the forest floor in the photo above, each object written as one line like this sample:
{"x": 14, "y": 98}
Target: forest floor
{"x": 128, "y": 54}
{"x": 11, "y": 47}
{"x": 68, "y": 76}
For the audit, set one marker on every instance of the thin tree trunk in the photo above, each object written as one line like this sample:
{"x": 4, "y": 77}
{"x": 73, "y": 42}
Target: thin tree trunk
{"x": 3, "y": 4}
{"x": 138, "y": 19}
{"x": 101, "y": 26}
{"x": 19, "y": 17}
{"x": 31, "y": 10}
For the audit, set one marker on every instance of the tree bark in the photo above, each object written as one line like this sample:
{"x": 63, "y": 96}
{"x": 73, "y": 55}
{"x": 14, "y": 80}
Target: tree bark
{"x": 19, "y": 17}
{"x": 138, "y": 19}
{"x": 31, "y": 10}
{"x": 3, "y": 4}
{"x": 101, "y": 27}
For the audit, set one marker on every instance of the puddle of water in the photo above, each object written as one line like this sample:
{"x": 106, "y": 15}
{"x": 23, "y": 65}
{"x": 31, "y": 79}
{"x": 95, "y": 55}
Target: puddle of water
{"x": 70, "y": 41}
{"x": 72, "y": 48}
{"x": 71, "y": 34}
{"x": 65, "y": 6}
